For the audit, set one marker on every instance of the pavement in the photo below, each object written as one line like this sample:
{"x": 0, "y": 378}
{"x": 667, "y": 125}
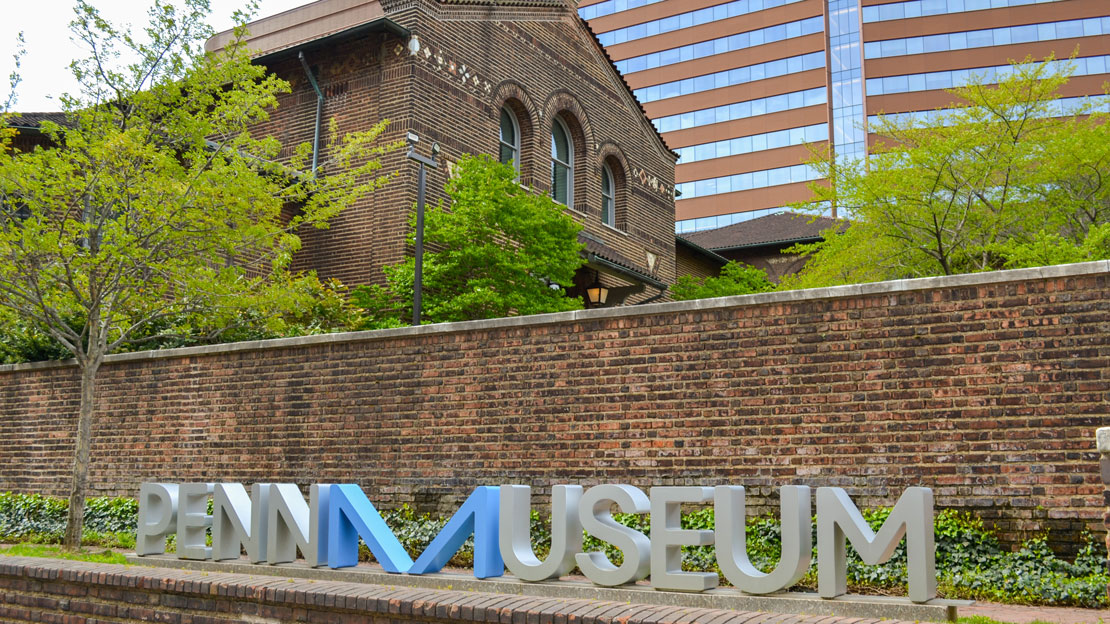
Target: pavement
{"x": 1024, "y": 615}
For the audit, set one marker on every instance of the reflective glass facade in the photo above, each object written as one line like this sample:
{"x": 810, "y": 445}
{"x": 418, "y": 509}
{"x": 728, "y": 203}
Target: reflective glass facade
{"x": 753, "y": 143}
{"x": 846, "y": 73}
{"x": 742, "y": 110}
{"x": 688, "y": 20}
{"x": 1060, "y": 108}
{"x": 1085, "y": 66}
{"x": 719, "y": 221}
{"x": 722, "y": 45}
{"x": 901, "y": 54}
{"x": 740, "y": 75}
{"x": 922, "y": 8}
{"x": 610, "y": 7}
{"x": 1069, "y": 29}
{"x": 747, "y": 181}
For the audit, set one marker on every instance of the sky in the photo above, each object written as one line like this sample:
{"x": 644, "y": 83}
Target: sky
{"x": 45, "y": 26}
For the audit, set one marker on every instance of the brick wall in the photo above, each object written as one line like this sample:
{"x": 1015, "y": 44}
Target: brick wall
{"x": 986, "y": 387}
{"x": 74, "y": 592}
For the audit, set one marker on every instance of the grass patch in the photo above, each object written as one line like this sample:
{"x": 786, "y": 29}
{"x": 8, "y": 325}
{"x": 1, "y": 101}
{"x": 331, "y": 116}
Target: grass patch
{"x": 57, "y": 552}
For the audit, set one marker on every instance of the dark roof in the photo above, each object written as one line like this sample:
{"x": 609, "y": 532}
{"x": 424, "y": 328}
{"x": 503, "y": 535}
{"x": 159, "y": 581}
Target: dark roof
{"x": 33, "y": 121}
{"x": 597, "y": 250}
{"x": 702, "y": 251}
{"x": 778, "y": 229}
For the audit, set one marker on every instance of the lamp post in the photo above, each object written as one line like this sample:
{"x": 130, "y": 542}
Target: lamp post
{"x": 418, "y": 285}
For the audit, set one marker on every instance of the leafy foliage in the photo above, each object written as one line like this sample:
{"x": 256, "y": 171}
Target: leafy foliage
{"x": 42, "y": 519}
{"x": 155, "y": 204}
{"x": 326, "y": 308}
{"x": 1005, "y": 179}
{"x": 736, "y": 278}
{"x": 497, "y": 250}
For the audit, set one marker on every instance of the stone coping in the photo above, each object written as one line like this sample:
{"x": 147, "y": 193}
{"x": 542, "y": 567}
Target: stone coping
{"x": 787, "y": 296}
{"x": 728, "y": 599}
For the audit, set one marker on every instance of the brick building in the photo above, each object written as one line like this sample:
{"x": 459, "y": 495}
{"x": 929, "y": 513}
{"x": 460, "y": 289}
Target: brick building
{"x": 526, "y": 80}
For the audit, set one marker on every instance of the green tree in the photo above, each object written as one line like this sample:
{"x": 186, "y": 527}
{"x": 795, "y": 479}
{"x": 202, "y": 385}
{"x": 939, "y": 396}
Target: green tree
{"x": 497, "y": 250}
{"x": 736, "y": 278}
{"x": 977, "y": 187}
{"x": 156, "y": 202}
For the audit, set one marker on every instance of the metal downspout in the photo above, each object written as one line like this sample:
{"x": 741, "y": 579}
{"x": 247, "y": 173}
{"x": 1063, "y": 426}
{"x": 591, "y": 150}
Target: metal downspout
{"x": 319, "y": 110}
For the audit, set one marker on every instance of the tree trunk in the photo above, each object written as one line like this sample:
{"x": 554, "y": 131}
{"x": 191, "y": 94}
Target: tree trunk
{"x": 77, "y": 492}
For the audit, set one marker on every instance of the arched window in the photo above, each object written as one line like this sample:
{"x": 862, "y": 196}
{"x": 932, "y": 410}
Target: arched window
{"x": 608, "y": 191}
{"x": 562, "y": 164}
{"x": 510, "y": 138}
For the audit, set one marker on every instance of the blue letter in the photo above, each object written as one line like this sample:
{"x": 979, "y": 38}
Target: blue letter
{"x": 478, "y": 515}
{"x": 350, "y": 516}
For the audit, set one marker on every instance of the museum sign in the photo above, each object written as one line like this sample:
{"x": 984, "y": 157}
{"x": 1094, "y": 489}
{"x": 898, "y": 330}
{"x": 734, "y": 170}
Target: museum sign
{"x": 274, "y": 520}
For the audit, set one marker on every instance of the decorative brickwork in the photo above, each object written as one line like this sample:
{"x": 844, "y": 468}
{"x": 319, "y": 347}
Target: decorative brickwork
{"x": 48, "y": 590}
{"x": 986, "y": 387}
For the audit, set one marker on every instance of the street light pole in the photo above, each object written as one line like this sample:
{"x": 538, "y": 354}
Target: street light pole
{"x": 421, "y": 182}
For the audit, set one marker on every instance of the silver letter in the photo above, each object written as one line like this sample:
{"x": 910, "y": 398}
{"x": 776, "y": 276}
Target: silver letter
{"x": 596, "y": 517}
{"x": 667, "y": 537}
{"x": 193, "y": 521}
{"x": 515, "y": 538}
{"x": 838, "y": 519}
{"x": 238, "y": 520}
{"x": 732, "y": 551}
{"x": 290, "y": 525}
{"x": 157, "y": 517}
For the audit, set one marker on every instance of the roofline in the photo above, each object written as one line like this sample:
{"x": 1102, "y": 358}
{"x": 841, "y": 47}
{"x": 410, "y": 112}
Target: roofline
{"x": 702, "y": 250}
{"x": 791, "y": 241}
{"x": 620, "y": 268}
{"x": 381, "y": 24}
{"x": 628, "y": 89}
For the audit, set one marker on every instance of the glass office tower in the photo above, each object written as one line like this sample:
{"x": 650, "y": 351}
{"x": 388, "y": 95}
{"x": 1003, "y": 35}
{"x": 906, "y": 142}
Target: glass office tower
{"x": 738, "y": 88}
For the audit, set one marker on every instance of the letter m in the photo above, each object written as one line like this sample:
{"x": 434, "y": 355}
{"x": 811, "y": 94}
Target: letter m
{"x": 838, "y": 521}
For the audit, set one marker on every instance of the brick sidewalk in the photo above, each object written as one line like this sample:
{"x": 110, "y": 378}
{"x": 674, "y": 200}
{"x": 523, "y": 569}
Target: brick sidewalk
{"x": 1023, "y": 615}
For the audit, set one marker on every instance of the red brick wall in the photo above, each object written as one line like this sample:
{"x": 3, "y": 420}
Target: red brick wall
{"x": 987, "y": 388}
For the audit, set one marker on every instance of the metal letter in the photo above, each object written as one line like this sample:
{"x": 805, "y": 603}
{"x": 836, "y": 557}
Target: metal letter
{"x": 668, "y": 536}
{"x": 290, "y": 525}
{"x": 350, "y": 516}
{"x": 239, "y": 521}
{"x": 516, "y": 539}
{"x": 597, "y": 519}
{"x": 732, "y": 551}
{"x": 839, "y": 520}
{"x": 157, "y": 517}
{"x": 478, "y": 516}
{"x": 193, "y": 521}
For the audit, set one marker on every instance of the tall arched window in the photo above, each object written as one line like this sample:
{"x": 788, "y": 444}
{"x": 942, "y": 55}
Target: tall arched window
{"x": 510, "y": 138}
{"x": 562, "y": 164}
{"x": 608, "y": 206}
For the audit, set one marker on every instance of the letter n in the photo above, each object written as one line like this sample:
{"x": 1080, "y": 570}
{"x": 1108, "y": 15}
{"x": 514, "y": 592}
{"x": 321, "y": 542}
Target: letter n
{"x": 350, "y": 516}
{"x": 838, "y": 520}
{"x": 477, "y": 516}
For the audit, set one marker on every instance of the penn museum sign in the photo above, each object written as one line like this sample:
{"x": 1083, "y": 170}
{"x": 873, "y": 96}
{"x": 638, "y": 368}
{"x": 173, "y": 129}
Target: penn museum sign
{"x": 274, "y": 520}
